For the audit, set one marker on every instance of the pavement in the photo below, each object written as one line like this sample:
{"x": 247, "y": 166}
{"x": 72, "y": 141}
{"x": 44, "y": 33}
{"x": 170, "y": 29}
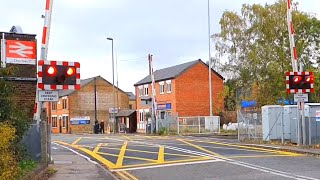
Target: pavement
{"x": 178, "y": 157}
{"x": 70, "y": 165}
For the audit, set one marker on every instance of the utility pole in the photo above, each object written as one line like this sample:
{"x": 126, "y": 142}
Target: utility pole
{"x": 153, "y": 103}
{"x": 95, "y": 100}
{"x": 209, "y": 44}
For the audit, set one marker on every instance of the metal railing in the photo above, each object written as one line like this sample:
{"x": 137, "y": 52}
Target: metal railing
{"x": 198, "y": 124}
{"x": 249, "y": 125}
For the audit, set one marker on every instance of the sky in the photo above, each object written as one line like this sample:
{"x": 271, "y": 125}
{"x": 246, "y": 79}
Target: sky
{"x": 173, "y": 31}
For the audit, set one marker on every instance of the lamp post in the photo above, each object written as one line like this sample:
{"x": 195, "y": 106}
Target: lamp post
{"x": 209, "y": 44}
{"x": 114, "y": 99}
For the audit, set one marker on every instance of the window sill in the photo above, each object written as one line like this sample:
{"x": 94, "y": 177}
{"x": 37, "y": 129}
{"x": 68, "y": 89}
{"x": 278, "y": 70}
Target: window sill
{"x": 162, "y": 93}
{"x": 169, "y": 92}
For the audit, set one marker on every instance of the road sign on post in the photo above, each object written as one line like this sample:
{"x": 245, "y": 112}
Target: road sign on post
{"x": 48, "y": 96}
{"x": 302, "y": 97}
{"x": 53, "y": 75}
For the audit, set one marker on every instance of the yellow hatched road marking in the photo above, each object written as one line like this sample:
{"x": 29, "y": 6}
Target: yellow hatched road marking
{"x": 121, "y": 154}
{"x": 247, "y": 147}
{"x": 127, "y": 137}
{"x": 150, "y": 152}
{"x": 94, "y": 155}
{"x": 123, "y": 176}
{"x": 96, "y": 149}
{"x": 129, "y": 157}
{"x": 130, "y": 175}
{"x": 167, "y": 162}
{"x": 76, "y": 141}
{"x": 201, "y": 148}
{"x": 161, "y": 154}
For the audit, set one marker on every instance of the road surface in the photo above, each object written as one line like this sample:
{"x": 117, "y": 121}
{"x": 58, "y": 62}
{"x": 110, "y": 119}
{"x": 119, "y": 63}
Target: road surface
{"x": 179, "y": 157}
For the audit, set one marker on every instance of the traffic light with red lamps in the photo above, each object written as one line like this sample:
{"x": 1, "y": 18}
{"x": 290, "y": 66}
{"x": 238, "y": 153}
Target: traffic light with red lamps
{"x": 54, "y": 75}
{"x": 299, "y": 82}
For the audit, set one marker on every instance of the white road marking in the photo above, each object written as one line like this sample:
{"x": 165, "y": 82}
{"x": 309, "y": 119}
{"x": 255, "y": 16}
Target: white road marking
{"x": 55, "y": 148}
{"x": 231, "y": 161}
{"x": 86, "y": 157}
{"x": 167, "y": 165}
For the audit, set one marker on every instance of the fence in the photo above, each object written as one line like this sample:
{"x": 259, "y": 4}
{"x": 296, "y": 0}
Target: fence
{"x": 312, "y": 126}
{"x": 198, "y": 124}
{"x": 37, "y": 143}
{"x": 279, "y": 123}
{"x": 169, "y": 124}
{"x": 249, "y": 125}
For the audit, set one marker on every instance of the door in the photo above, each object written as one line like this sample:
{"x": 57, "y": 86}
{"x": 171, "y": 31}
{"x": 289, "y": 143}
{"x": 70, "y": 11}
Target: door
{"x": 67, "y": 124}
{"x": 60, "y": 125}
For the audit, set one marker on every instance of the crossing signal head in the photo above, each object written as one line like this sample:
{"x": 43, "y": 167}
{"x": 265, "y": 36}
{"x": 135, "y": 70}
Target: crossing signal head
{"x": 59, "y": 75}
{"x": 300, "y": 82}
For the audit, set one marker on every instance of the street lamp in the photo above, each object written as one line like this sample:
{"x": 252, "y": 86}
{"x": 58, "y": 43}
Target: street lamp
{"x": 114, "y": 99}
{"x": 210, "y": 83}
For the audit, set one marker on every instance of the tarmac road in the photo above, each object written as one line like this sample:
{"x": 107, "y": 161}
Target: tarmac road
{"x": 178, "y": 157}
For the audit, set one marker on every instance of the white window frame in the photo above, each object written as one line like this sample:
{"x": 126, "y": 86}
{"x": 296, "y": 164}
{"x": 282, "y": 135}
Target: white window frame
{"x": 161, "y": 88}
{"x": 168, "y": 82}
{"x": 54, "y": 118}
{"x": 146, "y": 90}
{"x": 140, "y": 91}
{"x": 64, "y": 120}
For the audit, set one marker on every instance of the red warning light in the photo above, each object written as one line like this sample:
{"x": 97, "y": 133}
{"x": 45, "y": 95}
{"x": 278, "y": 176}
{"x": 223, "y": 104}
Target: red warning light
{"x": 70, "y": 71}
{"x": 297, "y": 79}
{"x": 51, "y": 70}
{"x": 309, "y": 79}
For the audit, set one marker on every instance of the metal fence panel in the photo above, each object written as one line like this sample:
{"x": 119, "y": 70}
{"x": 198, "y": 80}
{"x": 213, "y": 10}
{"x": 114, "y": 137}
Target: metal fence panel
{"x": 313, "y": 131}
{"x": 32, "y": 141}
{"x": 169, "y": 123}
{"x": 199, "y": 124}
{"x": 249, "y": 125}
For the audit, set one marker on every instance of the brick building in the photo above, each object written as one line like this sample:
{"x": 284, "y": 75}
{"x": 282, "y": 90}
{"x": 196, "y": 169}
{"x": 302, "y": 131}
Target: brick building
{"x": 75, "y": 111}
{"x": 181, "y": 90}
{"x": 24, "y": 77}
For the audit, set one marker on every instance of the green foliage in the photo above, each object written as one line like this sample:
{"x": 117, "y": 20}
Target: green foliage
{"x": 27, "y": 166}
{"x": 163, "y": 131}
{"x": 9, "y": 113}
{"x": 256, "y": 46}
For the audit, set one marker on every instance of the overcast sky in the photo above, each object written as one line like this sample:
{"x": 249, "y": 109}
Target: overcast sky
{"x": 174, "y": 31}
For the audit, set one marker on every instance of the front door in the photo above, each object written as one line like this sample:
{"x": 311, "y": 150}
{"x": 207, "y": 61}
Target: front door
{"x": 60, "y": 125}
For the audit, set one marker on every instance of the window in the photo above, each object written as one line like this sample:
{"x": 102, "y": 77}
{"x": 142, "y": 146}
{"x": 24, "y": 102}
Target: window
{"x": 54, "y": 121}
{"x": 140, "y": 91}
{"x": 162, "y": 114}
{"x": 54, "y": 105}
{"x": 169, "y": 87}
{"x": 161, "y": 87}
{"x": 130, "y": 106}
{"x": 146, "y": 90}
{"x": 141, "y": 116}
{"x": 64, "y": 103}
{"x": 65, "y": 120}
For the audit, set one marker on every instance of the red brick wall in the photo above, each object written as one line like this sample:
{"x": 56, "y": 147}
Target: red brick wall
{"x": 192, "y": 92}
{"x": 25, "y": 95}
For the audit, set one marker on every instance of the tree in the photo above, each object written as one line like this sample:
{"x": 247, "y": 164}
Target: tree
{"x": 9, "y": 113}
{"x": 255, "y": 44}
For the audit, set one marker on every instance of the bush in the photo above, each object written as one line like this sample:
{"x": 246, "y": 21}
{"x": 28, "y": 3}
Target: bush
{"x": 163, "y": 131}
{"x": 9, "y": 168}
